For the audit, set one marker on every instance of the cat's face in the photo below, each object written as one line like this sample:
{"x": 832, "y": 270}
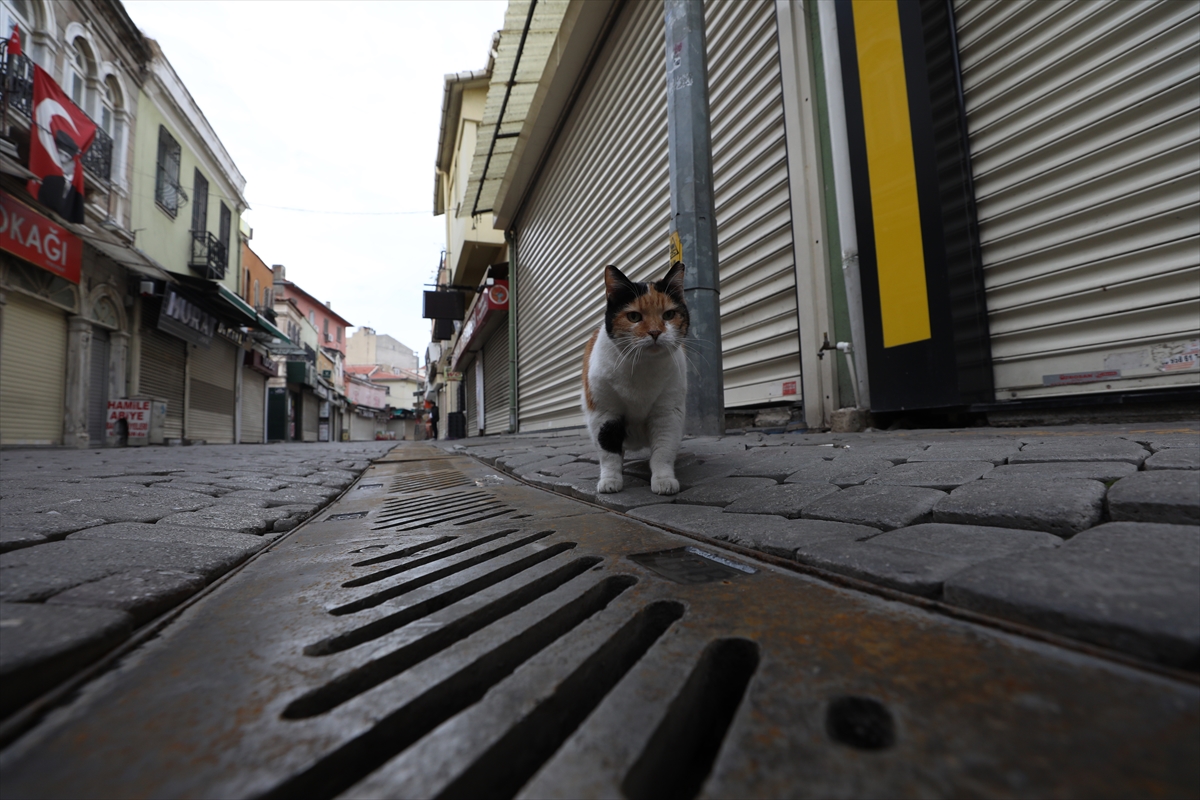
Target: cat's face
{"x": 645, "y": 315}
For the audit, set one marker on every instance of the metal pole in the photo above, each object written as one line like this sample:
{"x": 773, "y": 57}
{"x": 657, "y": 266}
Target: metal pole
{"x": 692, "y": 212}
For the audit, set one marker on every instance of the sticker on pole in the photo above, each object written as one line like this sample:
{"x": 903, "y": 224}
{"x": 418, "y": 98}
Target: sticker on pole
{"x": 676, "y": 248}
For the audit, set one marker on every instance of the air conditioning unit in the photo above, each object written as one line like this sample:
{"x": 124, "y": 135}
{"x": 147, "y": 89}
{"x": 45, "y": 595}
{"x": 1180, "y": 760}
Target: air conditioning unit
{"x": 329, "y": 337}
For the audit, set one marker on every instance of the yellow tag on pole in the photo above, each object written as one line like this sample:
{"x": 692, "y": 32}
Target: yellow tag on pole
{"x": 676, "y": 248}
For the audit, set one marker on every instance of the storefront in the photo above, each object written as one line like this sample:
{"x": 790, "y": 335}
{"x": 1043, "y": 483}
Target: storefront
{"x": 40, "y": 268}
{"x": 257, "y": 368}
{"x": 481, "y": 356}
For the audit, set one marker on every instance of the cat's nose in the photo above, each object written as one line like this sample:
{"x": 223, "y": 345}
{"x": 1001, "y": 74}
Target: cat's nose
{"x": 655, "y": 334}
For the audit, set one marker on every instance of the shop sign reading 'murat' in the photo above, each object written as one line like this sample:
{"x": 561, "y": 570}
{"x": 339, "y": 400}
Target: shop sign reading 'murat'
{"x": 181, "y": 317}
{"x": 34, "y": 238}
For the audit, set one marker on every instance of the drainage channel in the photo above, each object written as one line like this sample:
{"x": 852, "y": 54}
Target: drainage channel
{"x": 446, "y": 632}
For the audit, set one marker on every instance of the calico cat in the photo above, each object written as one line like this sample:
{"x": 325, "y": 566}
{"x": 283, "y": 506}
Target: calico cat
{"x": 635, "y": 377}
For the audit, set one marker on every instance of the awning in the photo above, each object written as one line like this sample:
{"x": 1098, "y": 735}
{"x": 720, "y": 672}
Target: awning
{"x": 128, "y": 257}
{"x": 266, "y": 325}
{"x": 231, "y": 305}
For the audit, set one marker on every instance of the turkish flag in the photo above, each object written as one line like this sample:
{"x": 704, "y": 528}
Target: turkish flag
{"x": 14, "y": 41}
{"x": 64, "y": 134}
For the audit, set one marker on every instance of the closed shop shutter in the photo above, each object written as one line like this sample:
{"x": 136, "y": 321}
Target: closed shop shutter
{"x": 162, "y": 376}
{"x": 254, "y": 392}
{"x": 97, "y": 387}
{"x": 33, "y": 369}
{"x": 495, "y": 382}
{"x": 1084, "y": 125}
{"x": 471, "y": 384}
{"x": 362, "y": 429}
{"x": 603, "y": 198}
{"x": 760, "y": 341}
{"x": 212, "y": 395}
{"x": 610, "y": 168}
{"x": 310, "y": 402}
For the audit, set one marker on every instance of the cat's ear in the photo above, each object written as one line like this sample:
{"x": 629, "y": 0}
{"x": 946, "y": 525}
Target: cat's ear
{"x": 615, "y": 281}
{"x": 672, "y": 283}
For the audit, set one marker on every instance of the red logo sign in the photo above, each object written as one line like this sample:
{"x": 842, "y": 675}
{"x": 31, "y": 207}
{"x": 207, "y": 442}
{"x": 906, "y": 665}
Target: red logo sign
{"x": 789, "y": 387}
{"x": 28, "y": 235}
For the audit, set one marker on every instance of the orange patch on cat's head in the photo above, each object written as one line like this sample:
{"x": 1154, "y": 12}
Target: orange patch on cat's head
{"x": 638, "y": 311}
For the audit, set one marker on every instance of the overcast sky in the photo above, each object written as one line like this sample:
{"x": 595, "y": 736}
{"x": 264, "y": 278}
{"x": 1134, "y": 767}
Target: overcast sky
{"x": 333, "y": 107}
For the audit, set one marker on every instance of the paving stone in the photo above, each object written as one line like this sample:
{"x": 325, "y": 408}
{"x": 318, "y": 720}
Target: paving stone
{"x": 701, "y": 472}
{"x": 849, "y": 470}
{"x": 1061, "y": 507}
{"x": 992, "y": 453}
{"x": 142, "y": 593}
{"x": 897, "y": 568}
{"x": 35, "y": 573}
{"x": 1174, "y": 458}
{"x": 1103, "y": 471}
{"x": 334, "y": 477}
{"x": 1131, "y": 586}
{"x": 784, "y": 500}
{"x": 944, "y": 475}
{"x": 585, "y": 488}
{"x": 792, "y": 538}
{"x": 576, "y": 469}
{"x": 526, "y": 456}
{"x": 1081, "y": 449}
{"x": 704, "y": 520}
{"x": 542, "y": 463}
{"x": 630, "y": 498}
{"x": 231, "y": 517}
{"x": 262, "y": 484}
{"x": 171, "y": 534}
{"x": 1174, "y": 441}
{"x": 44, "y": 645}
{"x": 1168, "y": 496}
{"x": 15, "y": 539}
{"x": 722, "y": 492}
{"x": 777, "y": 463}
{"x": 884, "y": 507}
{"x": 195, "y": 485}
{"x": 315, "y": 496}
{"x": 977, "y": 542}
{"x": 48, "y": 524}
{"x": 895, "y": 452}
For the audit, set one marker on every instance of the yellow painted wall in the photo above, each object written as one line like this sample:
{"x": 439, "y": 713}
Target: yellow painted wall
{"x": 164, "y": 239}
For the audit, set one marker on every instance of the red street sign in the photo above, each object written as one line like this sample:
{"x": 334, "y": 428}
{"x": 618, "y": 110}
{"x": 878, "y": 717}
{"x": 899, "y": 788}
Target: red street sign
{"x": 30, "y": 236}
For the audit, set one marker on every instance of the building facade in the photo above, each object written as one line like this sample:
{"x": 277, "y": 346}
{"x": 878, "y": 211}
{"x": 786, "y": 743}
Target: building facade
{"x": 1020, "y": 231}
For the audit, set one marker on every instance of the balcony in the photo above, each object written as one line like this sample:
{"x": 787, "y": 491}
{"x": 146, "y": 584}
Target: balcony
{"x": 17, "y": 91}
{"x": 208, "y": 255}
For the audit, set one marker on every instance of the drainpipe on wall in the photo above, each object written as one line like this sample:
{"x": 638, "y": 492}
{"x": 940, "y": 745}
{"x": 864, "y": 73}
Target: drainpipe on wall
{"x": 693, "y": 214}
{"x": 847, "y": 226}
{"x": 511, "y": 236}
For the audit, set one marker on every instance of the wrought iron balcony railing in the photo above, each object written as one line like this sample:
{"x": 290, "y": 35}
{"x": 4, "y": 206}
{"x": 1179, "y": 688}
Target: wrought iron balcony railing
{"x": 16, "y": 88}
{"x": 208, "y": 255}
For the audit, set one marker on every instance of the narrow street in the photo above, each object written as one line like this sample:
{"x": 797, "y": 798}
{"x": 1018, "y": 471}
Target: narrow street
{"x": 463, "y": 622}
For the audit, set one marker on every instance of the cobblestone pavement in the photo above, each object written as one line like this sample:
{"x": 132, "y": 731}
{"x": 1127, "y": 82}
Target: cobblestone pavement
{"x": 94, "y": 543}
{"x": 1092, "y": 532}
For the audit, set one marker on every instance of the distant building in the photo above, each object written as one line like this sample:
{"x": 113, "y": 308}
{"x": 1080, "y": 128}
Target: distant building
{"x": 366, "y": 347}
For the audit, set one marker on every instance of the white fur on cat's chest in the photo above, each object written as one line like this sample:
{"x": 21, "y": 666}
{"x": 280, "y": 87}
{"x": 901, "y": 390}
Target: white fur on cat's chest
{"x": 634, "y": 383}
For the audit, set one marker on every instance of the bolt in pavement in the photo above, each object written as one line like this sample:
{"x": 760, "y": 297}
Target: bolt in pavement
{"x": 944, "y": 613}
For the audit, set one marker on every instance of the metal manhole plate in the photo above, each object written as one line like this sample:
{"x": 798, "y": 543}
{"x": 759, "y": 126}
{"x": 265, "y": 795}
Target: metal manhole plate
{"x": 539, "y": 658}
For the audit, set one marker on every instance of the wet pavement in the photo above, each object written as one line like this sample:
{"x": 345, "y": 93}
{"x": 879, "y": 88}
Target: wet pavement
{"x": 1090, "y": 531}
{"x": 96, "y": 543}
{"x": 446, "y": 630}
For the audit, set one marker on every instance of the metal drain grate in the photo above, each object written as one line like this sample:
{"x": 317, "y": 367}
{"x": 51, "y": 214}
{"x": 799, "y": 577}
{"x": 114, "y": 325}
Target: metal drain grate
{"x": 460, "y": 508}
{"x": 551, "y": 657}
{"x": 434, "y": 479}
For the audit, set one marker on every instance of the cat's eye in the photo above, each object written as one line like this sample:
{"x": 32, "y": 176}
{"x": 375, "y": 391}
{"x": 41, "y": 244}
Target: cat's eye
{"x": 669, "y": 314}
{"x": 634, "y": 316}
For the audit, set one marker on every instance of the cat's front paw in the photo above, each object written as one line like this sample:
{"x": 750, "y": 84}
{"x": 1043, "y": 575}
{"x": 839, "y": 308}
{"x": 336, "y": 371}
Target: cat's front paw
{"x": 661, "y": 485}
{"x": 610, "y": 485}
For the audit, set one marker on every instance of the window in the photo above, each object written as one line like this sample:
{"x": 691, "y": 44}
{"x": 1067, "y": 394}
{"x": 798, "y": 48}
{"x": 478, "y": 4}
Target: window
{"x": 18, "y": 12}
{"x": 78, "y": 71}
{"x": 312, "y": 318}
{"x": 257, "y": 296}
{"x": 200, "y": 205}
{"x": 226, "y": 226}
{"x": 166, "y": 183}
{"x": 339, "y": 331}
{"x": 326, "y": 330}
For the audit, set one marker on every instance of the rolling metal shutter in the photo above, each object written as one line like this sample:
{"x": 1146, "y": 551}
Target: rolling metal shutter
{"x": 97, "y": 387}
{"x": 471, "y": 391}
{"x": 495, "y": 382}
{"x": 362, "y": 429}
{"x": 309, "y": 404}
{"x": 33, "y": 370}
{"x": 604, "y": 199}
{"x": 162, "y": 376}
{"x": 760, "y": 340}
{"x": 1084, "y": 125}
{"x": 212, "y": 395}
{"x": 254, "y": 394}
